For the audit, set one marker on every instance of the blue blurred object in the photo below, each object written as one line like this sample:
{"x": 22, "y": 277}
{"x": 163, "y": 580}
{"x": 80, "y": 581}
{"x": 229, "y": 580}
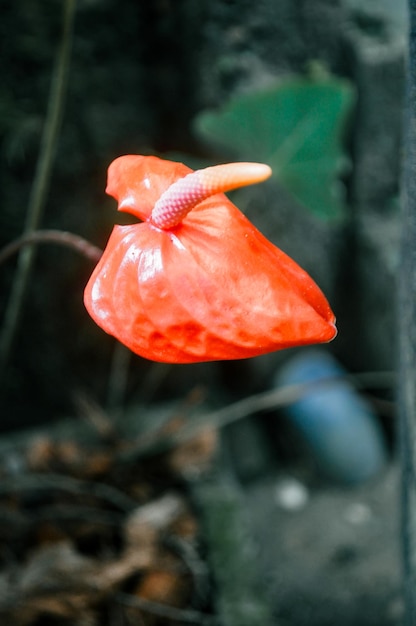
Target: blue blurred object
{"x": 339, "y": 427}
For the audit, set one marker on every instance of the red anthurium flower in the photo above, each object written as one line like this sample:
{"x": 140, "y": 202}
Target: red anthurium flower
{"x": 195, "y": 280}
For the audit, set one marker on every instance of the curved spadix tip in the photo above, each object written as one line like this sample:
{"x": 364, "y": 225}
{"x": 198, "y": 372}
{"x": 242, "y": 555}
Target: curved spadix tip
{"x": 184, "y": 194}
{"x": 233, "y": 175}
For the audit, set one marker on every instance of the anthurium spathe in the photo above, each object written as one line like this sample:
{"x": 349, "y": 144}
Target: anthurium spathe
{"x": 195, "y": 280}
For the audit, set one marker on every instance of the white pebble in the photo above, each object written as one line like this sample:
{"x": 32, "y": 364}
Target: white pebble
{"x": 291, "y": 494}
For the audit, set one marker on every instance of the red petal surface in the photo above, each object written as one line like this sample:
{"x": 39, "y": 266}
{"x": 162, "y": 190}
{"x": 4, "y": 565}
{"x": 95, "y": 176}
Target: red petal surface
{"x": 212, "y": 288}
{"x": 137, "y": 182}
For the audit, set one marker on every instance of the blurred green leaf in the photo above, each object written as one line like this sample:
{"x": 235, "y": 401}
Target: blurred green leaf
{"x": 297, "y": 127}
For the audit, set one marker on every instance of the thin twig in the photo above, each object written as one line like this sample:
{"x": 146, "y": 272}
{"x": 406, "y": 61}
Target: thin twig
{"x": 163, "y": 610}
{"x": 192, "y": 560}
{"x": 71, "y": 485}
{"x": 59, "y": 237}
{"x": 59, "y": 512}
{"x": 274, "y": 399}
{"x": 41, "y": 181}
{"x": 96, "y": 416}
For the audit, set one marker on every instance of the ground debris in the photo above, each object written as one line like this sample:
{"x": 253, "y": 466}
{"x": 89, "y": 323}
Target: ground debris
{"x": 93, "y": 533}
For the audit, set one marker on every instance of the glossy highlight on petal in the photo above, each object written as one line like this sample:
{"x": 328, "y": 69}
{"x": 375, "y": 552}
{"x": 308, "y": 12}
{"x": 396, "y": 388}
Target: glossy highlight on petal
{"x": 209, "y": 287}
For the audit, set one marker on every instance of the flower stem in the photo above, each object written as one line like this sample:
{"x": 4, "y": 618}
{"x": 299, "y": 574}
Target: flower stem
{"x": 41, "y": 182}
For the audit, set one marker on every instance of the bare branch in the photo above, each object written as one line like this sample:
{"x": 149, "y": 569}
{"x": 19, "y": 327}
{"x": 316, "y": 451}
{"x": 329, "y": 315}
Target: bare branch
{"x": 59, "y": 237}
